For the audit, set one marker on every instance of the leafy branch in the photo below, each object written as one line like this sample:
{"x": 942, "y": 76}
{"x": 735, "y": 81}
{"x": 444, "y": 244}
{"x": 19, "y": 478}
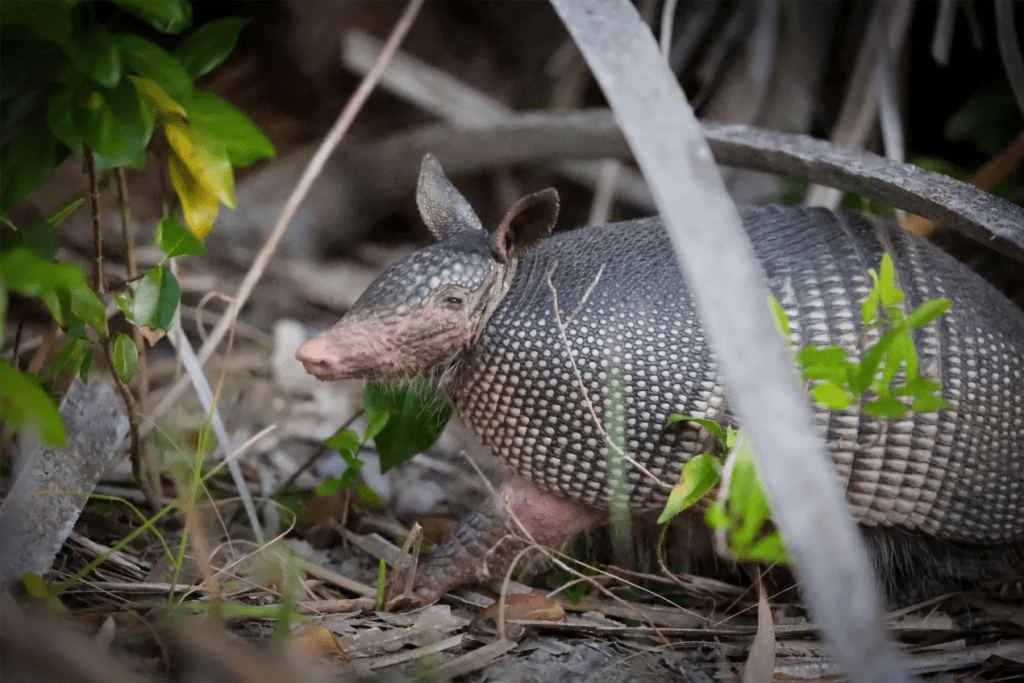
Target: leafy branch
{"x": 71, "y": 86}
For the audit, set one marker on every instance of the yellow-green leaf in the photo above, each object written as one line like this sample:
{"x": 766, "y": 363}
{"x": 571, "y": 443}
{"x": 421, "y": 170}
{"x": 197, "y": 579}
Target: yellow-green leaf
{"x": 204, "y": 157}
{"x": 699, "y": 475}
{"x": 198, "y": 204}
{"x": 156, "y": 98}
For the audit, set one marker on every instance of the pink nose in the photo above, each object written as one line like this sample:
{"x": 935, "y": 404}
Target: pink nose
{"x": 314, "y": 356}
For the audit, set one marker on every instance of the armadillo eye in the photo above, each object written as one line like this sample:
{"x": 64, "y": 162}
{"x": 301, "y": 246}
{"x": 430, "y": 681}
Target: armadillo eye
{"x": 453, "y": 300}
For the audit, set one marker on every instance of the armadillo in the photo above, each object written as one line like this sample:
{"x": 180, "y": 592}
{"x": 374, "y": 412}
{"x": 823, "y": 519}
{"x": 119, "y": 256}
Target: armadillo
{"x": 547, "y": 344}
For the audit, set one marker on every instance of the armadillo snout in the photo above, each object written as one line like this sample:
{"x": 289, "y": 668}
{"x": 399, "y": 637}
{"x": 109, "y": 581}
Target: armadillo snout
{"x": 316, "y": 356}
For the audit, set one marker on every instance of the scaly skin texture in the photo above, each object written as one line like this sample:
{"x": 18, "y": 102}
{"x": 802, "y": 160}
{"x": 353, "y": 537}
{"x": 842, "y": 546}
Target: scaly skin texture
{"x": 588, "y": 338}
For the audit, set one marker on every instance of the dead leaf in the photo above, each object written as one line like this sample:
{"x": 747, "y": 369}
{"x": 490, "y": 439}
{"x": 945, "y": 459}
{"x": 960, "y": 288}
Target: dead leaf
{"x": 315, "y": 641}
{"x": 760, "y": 665}
{"x": 524, "y": 607}
{"x": 151, "y": 335}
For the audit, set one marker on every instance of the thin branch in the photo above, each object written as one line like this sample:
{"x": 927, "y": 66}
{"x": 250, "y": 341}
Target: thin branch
{"x": 312, "y": 171}
{"x": 139, "y": 453}
{"x": 97, "y": 235}
{"x": 135, "y": 451}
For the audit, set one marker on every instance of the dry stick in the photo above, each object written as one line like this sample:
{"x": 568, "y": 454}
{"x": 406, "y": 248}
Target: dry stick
{"x": 799, "y": 479}
{"x": 310, "y": 174}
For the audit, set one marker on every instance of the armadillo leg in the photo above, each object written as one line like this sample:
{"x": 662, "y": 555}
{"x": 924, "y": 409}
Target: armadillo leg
{"x": 485, "y": 543}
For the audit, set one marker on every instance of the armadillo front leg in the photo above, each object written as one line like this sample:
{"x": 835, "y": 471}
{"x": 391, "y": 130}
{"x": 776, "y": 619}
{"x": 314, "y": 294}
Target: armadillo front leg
{"x": 485, "y": 543}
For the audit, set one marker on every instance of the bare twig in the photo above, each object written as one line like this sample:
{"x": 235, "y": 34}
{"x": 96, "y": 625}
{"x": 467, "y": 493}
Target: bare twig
{"x": 97, "y": 235}
{"x": 310, "y": 174}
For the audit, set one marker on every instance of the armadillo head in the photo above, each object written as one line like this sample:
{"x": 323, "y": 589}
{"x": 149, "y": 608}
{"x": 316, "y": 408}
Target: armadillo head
{"x": 425, "y": 311}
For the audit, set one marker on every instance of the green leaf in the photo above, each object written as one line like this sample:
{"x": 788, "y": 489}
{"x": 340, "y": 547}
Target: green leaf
{"x": 40, "y": 238}
{"x": 154, "y": 63}
{"x": 377, "y": 422}
{"x": 929, "y": 403}
{"x": 72, "y": 353}
{"x": 89, "y": 307}
{"x": 61, "y": 285}
{"x": 870, "y": 361}
{"x": 345, "y": 440}
{"x": 331, "y": 487}
{"x": 919, "y": 386}
{"x": 157, "y": 296}
{"x": 83, "y": 371}
{"x": 770, "y": 550}
{"x": 66, "y": 208}
{"x": 125, "y": 301}
{"x": 869, "y": 309}
{"x": 244, "y": 142}
{"x": 61, "y": 118}
{"x": 126, "y": 357}
{"x": 166, "y": 16}
{"x": 369, "y": 498}
{"x": 175, "y": 240}
{"x": 747, "y": 500}
{"x": 891, "y": 295}
{"x": 716, "y": 517}
{"x": 116, "y": 124}
{"x": 93, "y": 51}
{"x": 886, "y": 406}
{"x": 3, "y": 306}
{"x": 824, "y": 363}
{"x": 48, "y": 20}
{"x": 780, "y": 318}
{"x": 209, "y": 45}
{"x": 707, "y": 424}
{"x": 699, "y": 475}
{"x": 75, "y": 325}
{"x": 832, "y": 395}
{"x": 418, "y": 416}
{"x": 27, "y": 160}
{"x": 25, "y": 405}
{"x": 380, "y": 600}
{"x": 926, "y": 312}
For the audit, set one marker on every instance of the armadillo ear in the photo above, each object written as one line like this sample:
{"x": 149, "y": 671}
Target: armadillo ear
{"x": 528, "y": 221}
{"x": 445, "y": 211}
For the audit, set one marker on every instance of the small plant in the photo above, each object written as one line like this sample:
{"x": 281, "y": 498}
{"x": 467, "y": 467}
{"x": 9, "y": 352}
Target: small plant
{"x": 887, "y": 375}
{"x": 403, "y": 421}
{"x": 837, "y": 381}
